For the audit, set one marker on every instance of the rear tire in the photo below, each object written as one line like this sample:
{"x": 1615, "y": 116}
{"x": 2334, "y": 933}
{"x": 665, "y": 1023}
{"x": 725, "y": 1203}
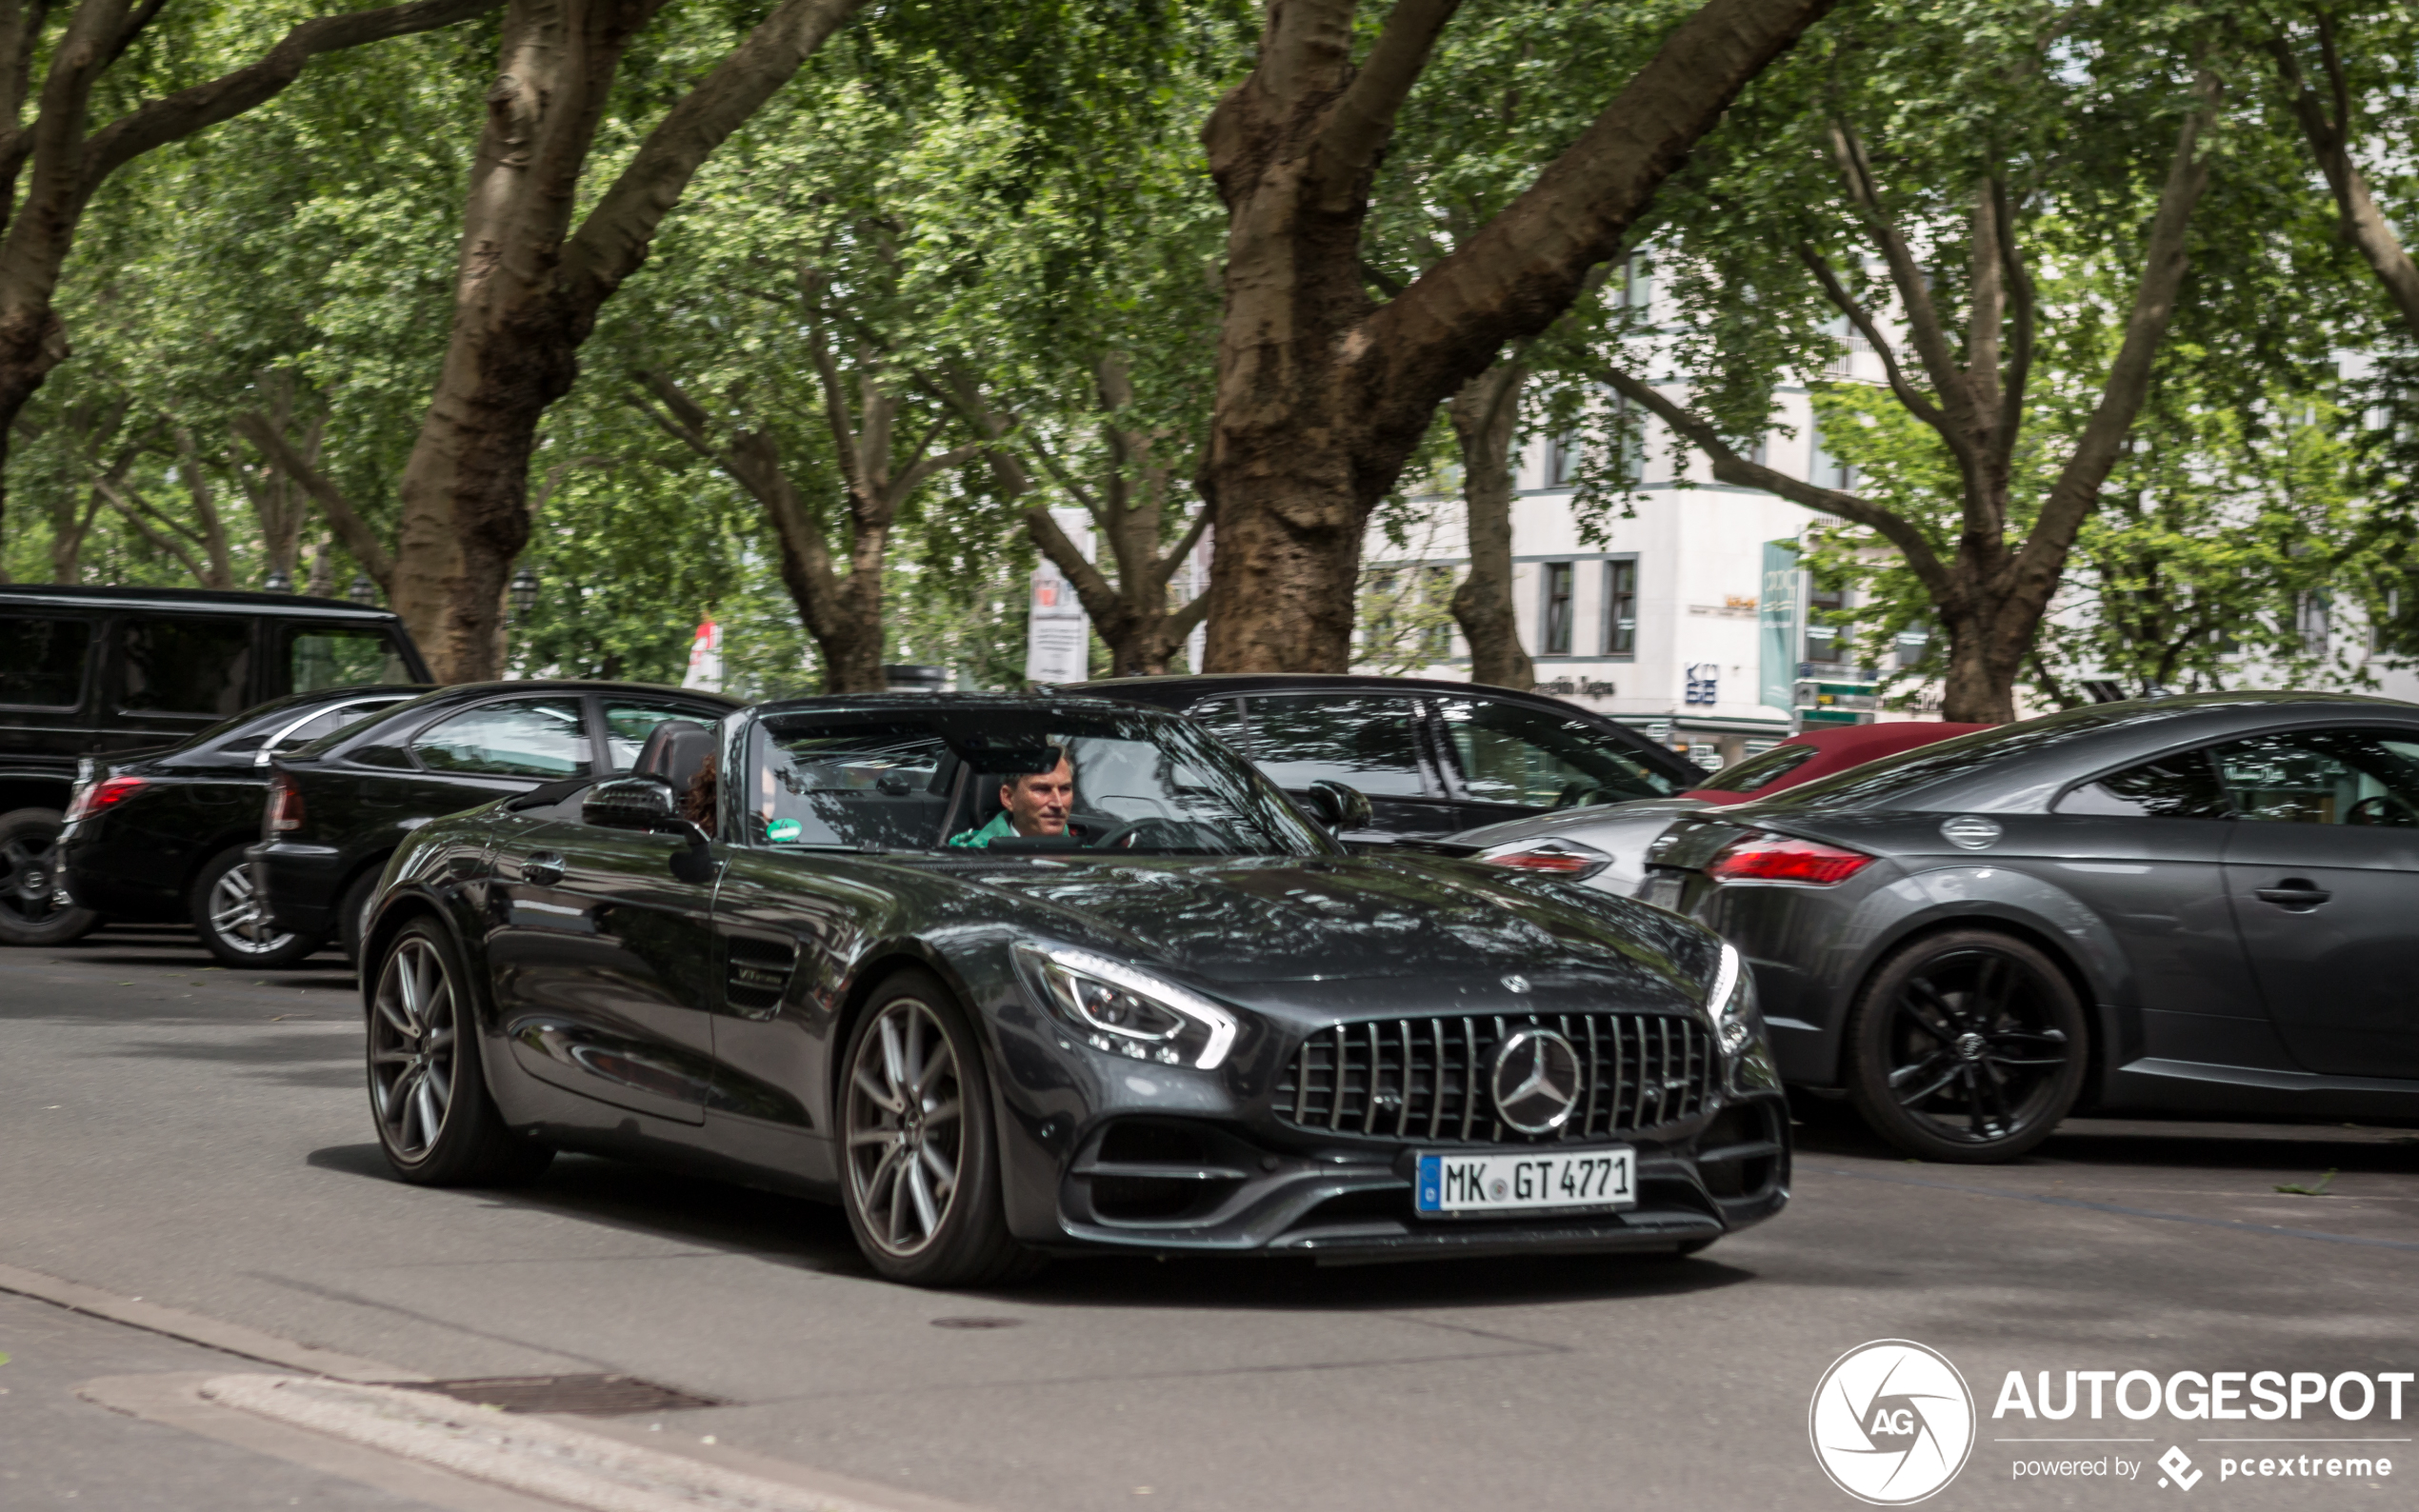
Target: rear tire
{"x": 230, "y": 917}
{"x": 920, "y": 1177}
{"x": 34, "y": 908}
{"x": 1967, "y": 1046}
{"x": 428, "y": 1087}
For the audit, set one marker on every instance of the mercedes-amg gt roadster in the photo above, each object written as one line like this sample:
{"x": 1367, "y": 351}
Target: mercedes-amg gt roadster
{"x": 1009, "y": 977}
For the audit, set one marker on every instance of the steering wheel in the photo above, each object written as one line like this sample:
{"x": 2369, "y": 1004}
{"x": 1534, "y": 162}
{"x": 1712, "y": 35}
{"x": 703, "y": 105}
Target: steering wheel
{"x": 1578, "y": 793}
{"x": 2382, "y": 809}
{"x": 1124, "y": 836}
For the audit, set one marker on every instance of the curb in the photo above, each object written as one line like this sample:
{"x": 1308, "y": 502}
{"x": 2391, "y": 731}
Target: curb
{"x": 523, "y": 1454}
{"x": 234, "y": 1339}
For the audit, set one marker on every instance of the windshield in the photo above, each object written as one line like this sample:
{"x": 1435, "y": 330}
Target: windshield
{"x": 1043, "y": 777}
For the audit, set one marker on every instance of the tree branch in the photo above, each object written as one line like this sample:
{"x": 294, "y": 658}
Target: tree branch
{"x": 2364, "y": 223}
{"x": 612, "y": 240}
{"x": 356, "y": 532}
{"x": 191, "y": 110}
{"x": 2035, "y": 572}
{"x": 1362, "y": 119}
{"x": 1729, "y": 467}
{"x": 1837, "y": 291}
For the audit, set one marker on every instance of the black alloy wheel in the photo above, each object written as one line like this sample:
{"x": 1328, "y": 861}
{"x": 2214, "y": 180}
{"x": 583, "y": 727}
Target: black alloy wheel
{"x": 1967, "y": 1046}
{"x": 34, "y": 909}
{"x": 427, "y": 1095}
{"x": 922, "y": 1185}
{"x": 231, "y": 918}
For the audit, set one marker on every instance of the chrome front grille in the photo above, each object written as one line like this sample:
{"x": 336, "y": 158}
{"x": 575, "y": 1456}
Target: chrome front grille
{"x": 1426, "y": 1079}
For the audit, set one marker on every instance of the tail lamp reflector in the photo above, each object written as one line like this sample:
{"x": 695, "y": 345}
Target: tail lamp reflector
{"x": 285, "y": 803}
{"x": 97, "y": 796}
{"x": 1785, "y": 858}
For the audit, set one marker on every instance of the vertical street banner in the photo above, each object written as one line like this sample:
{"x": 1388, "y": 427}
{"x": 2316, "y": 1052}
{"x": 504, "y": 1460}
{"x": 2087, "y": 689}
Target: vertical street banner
{"x": 705, "y": 657}
{"x": 1057, "y": 631}
{"x": 1776, "y": 612}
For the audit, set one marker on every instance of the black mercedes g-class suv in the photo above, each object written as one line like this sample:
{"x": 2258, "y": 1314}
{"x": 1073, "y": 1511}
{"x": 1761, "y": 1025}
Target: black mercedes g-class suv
{"x": 94, "y": 673}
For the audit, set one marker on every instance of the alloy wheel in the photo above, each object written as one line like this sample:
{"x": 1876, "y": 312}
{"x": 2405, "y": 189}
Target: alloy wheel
{"x": 413, "y": 1029}
{"x": 30, "y": 887}
{"x": 905, "y": 1122}
{"x": 239, "y": 917}
{"x": 1973, "y": 1054}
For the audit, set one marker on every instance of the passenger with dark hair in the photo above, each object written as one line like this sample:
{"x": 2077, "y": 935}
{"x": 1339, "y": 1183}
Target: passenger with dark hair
{"x": 1032, "y": 804}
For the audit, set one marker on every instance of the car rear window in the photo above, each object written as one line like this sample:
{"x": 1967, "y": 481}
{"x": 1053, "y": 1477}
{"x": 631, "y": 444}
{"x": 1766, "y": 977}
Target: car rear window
{"x": 42, "y": 662}
{"x": 1878, "y": 783}
{"x": 185, "y": 666}
{"x": 1300, "y": 739}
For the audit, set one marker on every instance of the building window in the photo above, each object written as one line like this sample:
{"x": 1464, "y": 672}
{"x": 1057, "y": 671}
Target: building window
{"x": 1826, "y": 639}
{"x": 1621, "y": 608}
{"x": 1562, "y": 459}
{"x": 1828, "y": 471}
{"x": 1909, "y": 648}
{"x": 1555, "y": 635}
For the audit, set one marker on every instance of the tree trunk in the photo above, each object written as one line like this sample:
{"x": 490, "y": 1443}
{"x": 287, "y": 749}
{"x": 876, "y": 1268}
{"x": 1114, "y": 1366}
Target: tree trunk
{"x": 528, "y": 289}
{"x": 1486, "y": 416}
{"x": 1321, "y": 394}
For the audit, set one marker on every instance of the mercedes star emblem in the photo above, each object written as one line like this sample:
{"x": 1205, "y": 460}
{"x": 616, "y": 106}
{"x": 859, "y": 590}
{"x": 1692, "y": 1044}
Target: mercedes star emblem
{"x": 1535, "y": 1081}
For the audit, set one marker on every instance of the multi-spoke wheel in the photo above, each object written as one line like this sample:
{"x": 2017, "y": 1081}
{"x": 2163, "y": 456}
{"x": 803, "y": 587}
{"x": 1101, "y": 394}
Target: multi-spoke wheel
{"x": 435, "y": 1119}
{"x": 922, "y": 1183}
{"x": 232, "y": 917}
{"x": 1966, "y": 1046}
{"x": 35, "y": 908}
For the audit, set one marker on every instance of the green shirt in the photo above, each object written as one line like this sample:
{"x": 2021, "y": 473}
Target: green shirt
{"x": 999, "y": 828}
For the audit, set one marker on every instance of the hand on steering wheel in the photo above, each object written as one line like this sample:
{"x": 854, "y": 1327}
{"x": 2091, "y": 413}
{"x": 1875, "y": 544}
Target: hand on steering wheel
{"x": 2382, "y": 809}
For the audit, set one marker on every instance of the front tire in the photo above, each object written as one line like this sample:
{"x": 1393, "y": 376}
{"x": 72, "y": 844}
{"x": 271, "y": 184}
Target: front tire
{"x": 427, "y": 1089}
{"x": 1967, "y": 1046}
{"x": 230, "y": 917}
{"x": 33, "y": 910}
{"x": 920, "y": 1154}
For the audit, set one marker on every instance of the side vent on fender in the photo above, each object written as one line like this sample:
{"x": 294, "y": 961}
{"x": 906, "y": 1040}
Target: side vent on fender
{"x": 757, "y": 971}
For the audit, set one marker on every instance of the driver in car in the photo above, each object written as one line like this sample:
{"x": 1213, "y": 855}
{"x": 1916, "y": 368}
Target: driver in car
{"x": 1031, "y": 804}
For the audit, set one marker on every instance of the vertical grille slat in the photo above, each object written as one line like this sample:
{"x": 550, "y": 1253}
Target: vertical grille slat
{"x": 1410, "y": 1079}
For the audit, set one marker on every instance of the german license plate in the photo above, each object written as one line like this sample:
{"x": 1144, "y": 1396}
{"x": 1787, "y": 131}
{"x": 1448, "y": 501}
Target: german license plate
{"x": 1664, "y": 892}
{"x": 1603, "y": 1177}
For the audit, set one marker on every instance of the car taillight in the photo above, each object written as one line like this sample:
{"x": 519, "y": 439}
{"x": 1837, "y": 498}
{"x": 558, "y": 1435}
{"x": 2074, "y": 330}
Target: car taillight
{"x": 1562, "y": 858}
{"x": 93, "y": 797}
{"x": 284, "y": 804}
{"x": 1785, "y": 858}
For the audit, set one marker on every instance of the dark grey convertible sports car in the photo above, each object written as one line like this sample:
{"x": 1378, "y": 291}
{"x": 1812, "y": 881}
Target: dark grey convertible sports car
{"x": 2204, "y": 905}
{"x": 1014, "y": 976}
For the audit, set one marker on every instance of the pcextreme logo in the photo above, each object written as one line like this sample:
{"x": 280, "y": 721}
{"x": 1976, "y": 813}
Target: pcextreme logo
{"x": 1891, "y": 1422}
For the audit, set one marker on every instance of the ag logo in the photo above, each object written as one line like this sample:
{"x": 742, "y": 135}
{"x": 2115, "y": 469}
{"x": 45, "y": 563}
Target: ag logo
{"x": 1891, "y": 1422}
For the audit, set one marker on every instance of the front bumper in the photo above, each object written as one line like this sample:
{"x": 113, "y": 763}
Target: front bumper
{"x": 299, "y": 883}
{"x": 1169, "y": 1187}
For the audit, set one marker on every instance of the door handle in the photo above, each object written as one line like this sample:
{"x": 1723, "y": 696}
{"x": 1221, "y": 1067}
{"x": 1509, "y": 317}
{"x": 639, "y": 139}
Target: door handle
{"x": 542, "y": 867}
{"x": 2295, "y": 895}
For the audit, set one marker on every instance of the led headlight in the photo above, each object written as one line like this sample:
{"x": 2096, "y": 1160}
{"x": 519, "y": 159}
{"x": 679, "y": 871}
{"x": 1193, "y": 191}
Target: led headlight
{"x": 1732, "y": 1002}
{"x": 1129, "y": 1012}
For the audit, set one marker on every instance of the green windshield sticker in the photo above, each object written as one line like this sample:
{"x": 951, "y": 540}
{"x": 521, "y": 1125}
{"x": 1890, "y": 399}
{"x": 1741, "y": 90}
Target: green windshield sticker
{"x": 780, "y": 829}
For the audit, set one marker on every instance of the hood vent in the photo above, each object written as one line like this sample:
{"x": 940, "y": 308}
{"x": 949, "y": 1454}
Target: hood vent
{"x": 757, "y": 973}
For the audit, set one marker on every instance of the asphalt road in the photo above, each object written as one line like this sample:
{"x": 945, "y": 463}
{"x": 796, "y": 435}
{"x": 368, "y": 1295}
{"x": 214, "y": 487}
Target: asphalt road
{"x": 198, "y": 1137}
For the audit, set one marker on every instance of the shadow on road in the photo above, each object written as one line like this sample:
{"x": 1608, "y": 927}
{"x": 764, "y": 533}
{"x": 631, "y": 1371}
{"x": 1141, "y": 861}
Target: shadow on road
{"x": 814, "y": 1235}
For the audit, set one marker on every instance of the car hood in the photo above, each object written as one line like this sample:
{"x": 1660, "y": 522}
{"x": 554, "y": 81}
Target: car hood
{"x": 1280, "y": 918}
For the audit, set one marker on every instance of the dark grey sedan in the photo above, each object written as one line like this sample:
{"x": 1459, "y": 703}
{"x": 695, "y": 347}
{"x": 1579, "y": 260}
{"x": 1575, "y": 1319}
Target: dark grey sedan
{"x": 2206, "y": 905}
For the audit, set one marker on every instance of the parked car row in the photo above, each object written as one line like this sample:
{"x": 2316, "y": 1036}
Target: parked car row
{"x": 1342, "y": 967}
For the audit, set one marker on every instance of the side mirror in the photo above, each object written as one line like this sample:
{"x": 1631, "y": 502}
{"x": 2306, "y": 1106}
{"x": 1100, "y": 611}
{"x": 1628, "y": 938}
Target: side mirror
{"x": 630, "y": 803}
{"x": 646, "y": 804}
{"x": 1338, "y": 806}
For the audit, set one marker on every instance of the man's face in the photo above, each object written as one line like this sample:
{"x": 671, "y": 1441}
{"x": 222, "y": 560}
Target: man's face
{"x": 1037, "y": 805}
